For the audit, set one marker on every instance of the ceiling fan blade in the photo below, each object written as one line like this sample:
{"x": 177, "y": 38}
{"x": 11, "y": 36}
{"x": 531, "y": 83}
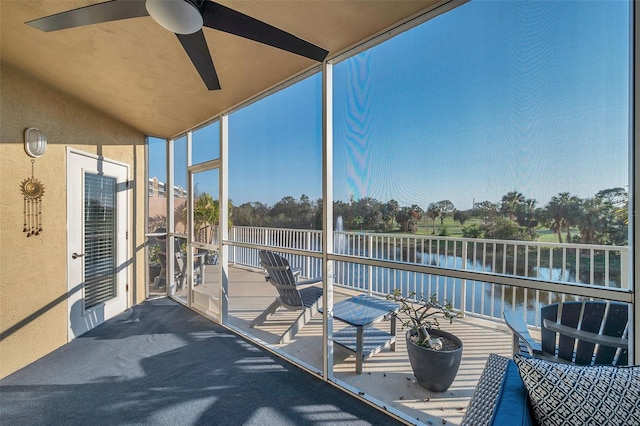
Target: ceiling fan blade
{"x": 196, "y": 47}
{"x": 102, "y": 12}
{"x": 230, "y": 21}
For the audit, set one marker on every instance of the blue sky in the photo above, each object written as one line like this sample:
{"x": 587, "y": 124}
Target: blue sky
{"x": 489, "y": 98}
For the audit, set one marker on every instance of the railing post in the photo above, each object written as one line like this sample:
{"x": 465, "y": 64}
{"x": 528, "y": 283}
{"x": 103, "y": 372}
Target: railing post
{"x": 370, "y": 272}
{"x": 624, "y": 269}
{"x": 234, "y": 237}
{"x": 463, "y": 290}
{"x": 307, "y": 247}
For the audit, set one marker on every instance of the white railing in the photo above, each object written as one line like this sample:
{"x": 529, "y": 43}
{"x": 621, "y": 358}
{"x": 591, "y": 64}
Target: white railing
{"x": 596, "y": 265}
{"x": 298, "y": 239}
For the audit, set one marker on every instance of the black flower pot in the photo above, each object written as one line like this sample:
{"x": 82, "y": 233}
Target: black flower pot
{"x": 434, "y": 370}
{"x": 154, "y": 271}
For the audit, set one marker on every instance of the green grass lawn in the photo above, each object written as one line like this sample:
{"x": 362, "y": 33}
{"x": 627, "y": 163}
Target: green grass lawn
{"x": 547, "y": 235}
{"x": 454, "y": 229}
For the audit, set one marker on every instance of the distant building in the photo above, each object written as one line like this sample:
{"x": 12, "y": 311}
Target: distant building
{"x": 158, "y": 206}
{"x": 158, "y": 189}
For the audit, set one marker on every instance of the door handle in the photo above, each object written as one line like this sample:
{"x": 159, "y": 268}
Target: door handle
{"x": 76, "y": 255}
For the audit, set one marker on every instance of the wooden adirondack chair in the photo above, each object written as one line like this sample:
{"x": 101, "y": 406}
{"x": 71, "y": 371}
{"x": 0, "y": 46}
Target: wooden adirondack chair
{"x": 291, "y": 293}
{"x": 583, "y": 333}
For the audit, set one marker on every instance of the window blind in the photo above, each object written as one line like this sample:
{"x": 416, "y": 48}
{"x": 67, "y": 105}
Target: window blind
{"x": 99, "y": 239}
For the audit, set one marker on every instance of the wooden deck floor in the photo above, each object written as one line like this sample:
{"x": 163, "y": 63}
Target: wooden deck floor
{"x": 386, "y": 377}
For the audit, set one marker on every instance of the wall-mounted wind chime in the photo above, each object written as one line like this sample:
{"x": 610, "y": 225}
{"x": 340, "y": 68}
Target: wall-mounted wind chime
{"x": 35, "y": 144}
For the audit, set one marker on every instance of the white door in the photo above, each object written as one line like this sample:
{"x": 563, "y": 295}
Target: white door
{"x": 97, "y": 233}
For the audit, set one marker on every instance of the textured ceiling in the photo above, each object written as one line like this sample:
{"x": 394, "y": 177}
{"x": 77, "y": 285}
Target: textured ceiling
{"x": 137, "y": 72}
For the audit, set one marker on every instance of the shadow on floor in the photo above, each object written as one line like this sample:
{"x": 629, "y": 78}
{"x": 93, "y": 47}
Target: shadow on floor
{"x": 160, "y": 363}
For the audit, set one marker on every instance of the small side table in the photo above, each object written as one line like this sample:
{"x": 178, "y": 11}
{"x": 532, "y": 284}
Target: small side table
{"x": 361, "y": 338}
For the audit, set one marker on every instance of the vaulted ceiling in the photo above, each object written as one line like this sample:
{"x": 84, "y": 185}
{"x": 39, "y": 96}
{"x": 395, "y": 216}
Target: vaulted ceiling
{"x": 136, "y": 71}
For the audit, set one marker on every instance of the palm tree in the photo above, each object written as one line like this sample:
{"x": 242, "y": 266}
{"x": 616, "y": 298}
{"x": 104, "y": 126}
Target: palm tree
{"x": 205, "y": 217}
{"x": 528, "y": 216}
{"x": 511, "y": 203}
{"x": 572, "y": 208}
{"x": 562, "y": 212}
{"x": 389, "y": 211}
{"x": 592, "y": 221}
{"x": 180, "y": 214}
{"x": 552, "y": 217}
{"x": 160, "y": 220}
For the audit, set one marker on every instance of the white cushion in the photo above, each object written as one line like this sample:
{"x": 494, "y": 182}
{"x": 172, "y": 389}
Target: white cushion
{"x": 567, "y": 394}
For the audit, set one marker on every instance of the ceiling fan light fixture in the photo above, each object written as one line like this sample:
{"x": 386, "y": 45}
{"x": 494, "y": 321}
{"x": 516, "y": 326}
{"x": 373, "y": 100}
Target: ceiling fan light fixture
{"x": 178, "y": 16}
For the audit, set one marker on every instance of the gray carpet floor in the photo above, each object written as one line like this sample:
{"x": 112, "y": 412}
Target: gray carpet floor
{"x": 160, "y": 363}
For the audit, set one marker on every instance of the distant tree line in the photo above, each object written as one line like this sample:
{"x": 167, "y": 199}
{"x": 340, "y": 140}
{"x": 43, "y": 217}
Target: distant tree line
{"x": 601, "y": 219}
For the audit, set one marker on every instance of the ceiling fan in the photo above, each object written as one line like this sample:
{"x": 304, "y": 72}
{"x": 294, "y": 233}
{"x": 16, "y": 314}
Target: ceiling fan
{"x": 186, "y": 18}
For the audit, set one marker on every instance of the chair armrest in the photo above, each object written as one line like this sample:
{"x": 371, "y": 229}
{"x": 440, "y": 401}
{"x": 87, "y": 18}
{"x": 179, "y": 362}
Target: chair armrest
{"x": 485, "y": 399}
{"x": 309, "y": 282}
{"x": 521, "y": 333}
{"x": 586, "y": 336}
{"x": 275, "y": 268}
{"x": 294, "y": 271}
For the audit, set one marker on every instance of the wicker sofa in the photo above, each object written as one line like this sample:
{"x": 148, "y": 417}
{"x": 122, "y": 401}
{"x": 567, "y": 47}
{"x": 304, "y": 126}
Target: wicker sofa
{"x": 484, "y": 403}
{"x": 527, "y": 391}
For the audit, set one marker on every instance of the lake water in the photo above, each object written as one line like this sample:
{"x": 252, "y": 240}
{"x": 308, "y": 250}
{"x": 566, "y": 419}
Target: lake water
{"x": 480, "y": 297}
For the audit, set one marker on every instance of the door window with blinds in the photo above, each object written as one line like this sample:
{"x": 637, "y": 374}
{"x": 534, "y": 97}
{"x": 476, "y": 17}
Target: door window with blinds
{"x": 100, "y": 230}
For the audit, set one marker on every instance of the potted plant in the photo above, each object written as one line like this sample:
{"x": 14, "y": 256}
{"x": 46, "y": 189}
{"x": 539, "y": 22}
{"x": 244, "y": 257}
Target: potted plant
{"x": 155, "y": 267}
{"x": 434, "y": 354}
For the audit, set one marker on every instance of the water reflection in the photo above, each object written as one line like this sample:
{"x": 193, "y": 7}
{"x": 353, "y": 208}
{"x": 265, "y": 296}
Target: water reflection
{"x": 479, "y": 297}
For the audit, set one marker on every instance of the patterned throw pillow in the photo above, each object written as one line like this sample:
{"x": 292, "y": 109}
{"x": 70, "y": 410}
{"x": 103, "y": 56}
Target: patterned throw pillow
{"x": 566, "y": 394}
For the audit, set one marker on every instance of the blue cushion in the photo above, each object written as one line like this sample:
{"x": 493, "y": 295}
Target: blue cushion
{"x": 512, "y": 404}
